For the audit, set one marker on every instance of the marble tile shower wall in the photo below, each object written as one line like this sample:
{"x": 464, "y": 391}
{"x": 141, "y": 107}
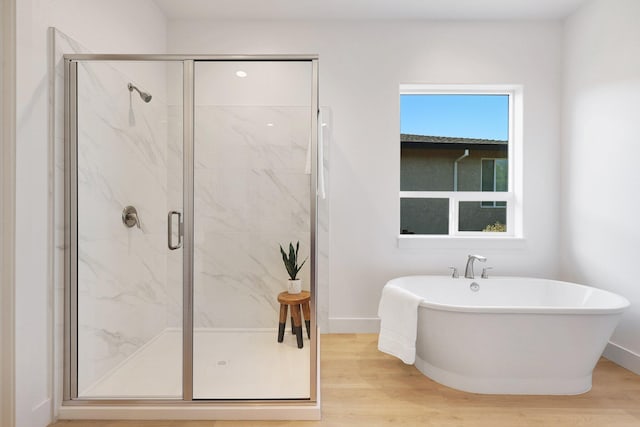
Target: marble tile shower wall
{"x": 122, "y": 160}
{"x": 251, "y": 194}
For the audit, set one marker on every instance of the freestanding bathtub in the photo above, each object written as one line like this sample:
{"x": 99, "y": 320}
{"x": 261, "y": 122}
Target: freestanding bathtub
{"x": 511, "y": 335}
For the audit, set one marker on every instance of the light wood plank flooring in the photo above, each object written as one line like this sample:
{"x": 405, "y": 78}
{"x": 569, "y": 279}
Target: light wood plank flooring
{"x": 363, "y": 387}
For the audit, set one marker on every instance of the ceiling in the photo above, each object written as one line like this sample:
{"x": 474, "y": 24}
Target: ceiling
{"x": 368, "y": 9}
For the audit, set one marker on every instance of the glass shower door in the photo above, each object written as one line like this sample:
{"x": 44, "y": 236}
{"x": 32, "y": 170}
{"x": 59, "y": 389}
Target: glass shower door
{"x": 252, "y": 193}
{"x": 129, "y": 173}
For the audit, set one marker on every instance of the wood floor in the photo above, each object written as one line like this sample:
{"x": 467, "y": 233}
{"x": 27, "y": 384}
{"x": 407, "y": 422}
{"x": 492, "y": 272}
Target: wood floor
{"x": 363, "y": 387}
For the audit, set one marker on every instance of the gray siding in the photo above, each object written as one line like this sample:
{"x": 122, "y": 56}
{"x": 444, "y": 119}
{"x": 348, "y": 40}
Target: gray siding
{"x": 432, "y": 169}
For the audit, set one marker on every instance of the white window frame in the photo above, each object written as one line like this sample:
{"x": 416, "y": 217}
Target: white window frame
{"x": 513, "y": 197}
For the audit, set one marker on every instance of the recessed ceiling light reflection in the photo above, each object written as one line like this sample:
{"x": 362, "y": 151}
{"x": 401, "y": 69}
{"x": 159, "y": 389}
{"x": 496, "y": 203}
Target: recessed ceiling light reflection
{"x": 324, "y": 125}
{"x": 270, "y": 125}
{"x": 241, "y": 73}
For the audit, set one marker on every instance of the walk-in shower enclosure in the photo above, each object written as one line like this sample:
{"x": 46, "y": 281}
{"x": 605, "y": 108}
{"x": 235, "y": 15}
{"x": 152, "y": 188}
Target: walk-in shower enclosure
{"x": 183, "y": 176}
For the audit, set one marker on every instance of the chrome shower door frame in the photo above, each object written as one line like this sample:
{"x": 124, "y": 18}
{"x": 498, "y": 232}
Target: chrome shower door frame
{"x": 70, "y": 377}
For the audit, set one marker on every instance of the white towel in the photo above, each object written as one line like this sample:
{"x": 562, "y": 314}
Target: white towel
{"x": 398, "y": 312}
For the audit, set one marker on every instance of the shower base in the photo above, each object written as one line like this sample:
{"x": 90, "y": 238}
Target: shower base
{"x": 228, "y": 364}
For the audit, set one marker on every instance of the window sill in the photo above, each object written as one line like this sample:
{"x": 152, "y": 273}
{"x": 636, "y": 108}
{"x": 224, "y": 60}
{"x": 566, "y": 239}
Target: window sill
{"x": 409, "y": 241}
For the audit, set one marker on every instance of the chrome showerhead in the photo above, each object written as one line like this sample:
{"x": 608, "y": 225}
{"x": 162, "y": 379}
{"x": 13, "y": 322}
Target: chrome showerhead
{"x": 146, "y": 97}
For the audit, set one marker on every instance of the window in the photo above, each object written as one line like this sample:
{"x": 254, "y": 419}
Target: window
{"x": 460, "y": 170}
{"x": 494, "y": 178}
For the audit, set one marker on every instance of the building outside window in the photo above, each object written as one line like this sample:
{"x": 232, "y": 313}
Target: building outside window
{"x": 494, "y": 178}
{"x": 457, "y": 150}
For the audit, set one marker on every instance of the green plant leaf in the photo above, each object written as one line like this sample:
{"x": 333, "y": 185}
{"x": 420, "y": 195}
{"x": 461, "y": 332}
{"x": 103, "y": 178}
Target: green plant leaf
{"x": 300, "y": 268}
{"x": 291, "y": 260}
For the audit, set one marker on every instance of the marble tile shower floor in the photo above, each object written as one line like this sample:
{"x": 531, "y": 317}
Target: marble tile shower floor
{"x": 228, "y": 364}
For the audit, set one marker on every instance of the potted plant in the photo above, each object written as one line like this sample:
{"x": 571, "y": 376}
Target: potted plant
{"x": 291, "y": 264}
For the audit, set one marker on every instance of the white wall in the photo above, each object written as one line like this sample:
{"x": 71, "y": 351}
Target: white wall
{"x": 600, "y": 152}
{"x": 361, "y": 67}
{"x": 102, "y": 27}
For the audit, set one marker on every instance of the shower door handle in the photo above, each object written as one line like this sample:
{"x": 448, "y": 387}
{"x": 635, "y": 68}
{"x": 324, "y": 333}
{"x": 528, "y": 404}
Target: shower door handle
{"x": 170, "y": 230}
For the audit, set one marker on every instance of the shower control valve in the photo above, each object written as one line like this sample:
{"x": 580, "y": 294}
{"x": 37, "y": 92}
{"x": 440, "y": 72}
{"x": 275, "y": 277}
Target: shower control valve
{"x": 130, "y": 217}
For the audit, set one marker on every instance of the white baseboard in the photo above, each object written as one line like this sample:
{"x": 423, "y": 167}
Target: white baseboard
{"x": 354, "y": 325}
{"x": 623, "y": 357}
{"x": 41, "y": 414}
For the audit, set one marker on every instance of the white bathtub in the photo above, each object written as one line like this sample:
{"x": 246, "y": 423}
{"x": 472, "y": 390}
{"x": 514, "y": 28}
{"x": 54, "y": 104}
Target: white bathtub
{"x": 513, "y": 335}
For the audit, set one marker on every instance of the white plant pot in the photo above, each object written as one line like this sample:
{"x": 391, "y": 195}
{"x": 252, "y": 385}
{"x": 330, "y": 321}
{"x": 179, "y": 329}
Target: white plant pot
{"x": 294, "y": 286}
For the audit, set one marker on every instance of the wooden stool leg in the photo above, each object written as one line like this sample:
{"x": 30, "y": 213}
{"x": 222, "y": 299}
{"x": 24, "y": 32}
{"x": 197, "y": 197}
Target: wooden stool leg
{"x": 297, "y": 326}
{"x": 282, "y": 322}
{"x": 306, "y": 312}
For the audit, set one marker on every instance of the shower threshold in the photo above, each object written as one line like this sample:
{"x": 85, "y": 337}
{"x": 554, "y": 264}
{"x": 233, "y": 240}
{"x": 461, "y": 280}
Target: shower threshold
{"x": 228, "y": 364}
{"x": 204, "y": 410}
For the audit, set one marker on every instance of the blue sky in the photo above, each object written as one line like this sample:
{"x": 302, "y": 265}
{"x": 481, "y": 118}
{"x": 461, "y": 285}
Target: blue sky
{"x": 465, "y": 116}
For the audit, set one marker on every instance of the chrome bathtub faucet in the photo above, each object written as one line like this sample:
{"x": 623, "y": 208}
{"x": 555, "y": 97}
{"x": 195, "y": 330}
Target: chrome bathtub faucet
{"x": 468, "y": 271}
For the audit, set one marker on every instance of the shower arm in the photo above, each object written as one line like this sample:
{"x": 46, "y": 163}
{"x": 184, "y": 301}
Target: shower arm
{"x": 145, "y": 96}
